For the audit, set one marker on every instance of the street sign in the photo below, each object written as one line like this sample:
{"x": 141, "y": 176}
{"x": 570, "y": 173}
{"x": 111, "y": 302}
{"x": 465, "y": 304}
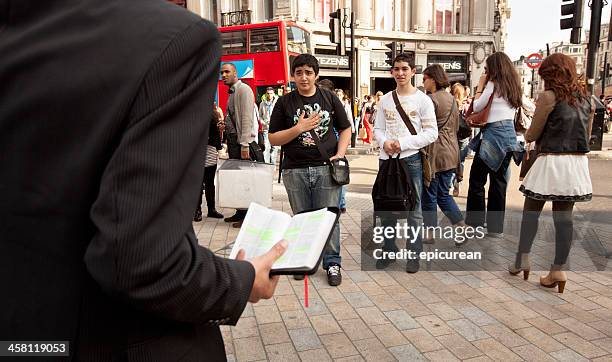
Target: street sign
{"x": 533, "y": 61}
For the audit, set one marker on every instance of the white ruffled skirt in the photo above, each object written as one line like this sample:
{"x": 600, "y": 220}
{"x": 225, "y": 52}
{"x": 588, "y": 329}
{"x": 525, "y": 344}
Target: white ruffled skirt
{"x": 558, "y": 178}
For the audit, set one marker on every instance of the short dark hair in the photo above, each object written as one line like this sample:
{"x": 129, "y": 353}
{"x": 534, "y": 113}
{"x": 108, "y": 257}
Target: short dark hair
{"x": 230, "y": 64}
{"x": 305, "y": 59}
{"x": 269, "y": 89}
{"x": 437, "y": 73}
{"x": 404, "y": 57}
{"x": 326, "y": 84}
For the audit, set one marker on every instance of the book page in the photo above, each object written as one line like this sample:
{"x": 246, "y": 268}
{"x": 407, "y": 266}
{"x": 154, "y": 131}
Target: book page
{"x": 306, "y": 236}
{"x": 261, "y": 229}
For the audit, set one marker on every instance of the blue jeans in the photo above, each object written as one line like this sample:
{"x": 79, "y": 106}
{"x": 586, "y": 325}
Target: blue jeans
{"x": 313, "y": 188}
{"x": 415, "y": 217}
{"x": 271, "y": 151}
{"x": 342, "y": 202}
{"x": 437, "y": 195}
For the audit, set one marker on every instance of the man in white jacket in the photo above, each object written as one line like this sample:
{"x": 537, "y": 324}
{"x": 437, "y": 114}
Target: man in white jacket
{"x": 395, "y": 137}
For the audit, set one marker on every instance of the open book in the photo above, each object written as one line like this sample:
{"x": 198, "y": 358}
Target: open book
{"x": 306, "y": 235}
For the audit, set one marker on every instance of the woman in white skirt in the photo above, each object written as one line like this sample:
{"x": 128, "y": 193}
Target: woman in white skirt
{"x": 561, "y": 128}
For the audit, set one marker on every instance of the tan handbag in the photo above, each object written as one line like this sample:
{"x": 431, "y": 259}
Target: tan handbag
{"x": 479, "y": 119}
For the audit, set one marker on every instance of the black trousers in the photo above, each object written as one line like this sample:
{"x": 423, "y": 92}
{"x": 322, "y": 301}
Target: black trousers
{"x": 208, "y": 188}
{"x": 234, "y": 148}
{"x": 498, "y": 183}
{"x": 564, "y": 227}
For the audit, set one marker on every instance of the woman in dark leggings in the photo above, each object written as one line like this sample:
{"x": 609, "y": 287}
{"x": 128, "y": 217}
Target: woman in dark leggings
{"x": 561, "y": 128}
{"x": 210, "y": 168}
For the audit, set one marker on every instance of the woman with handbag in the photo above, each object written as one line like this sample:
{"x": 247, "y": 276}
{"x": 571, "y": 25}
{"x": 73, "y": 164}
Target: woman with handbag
{"x": 561, "y": 128}
{"x": 443, "y": 153}
{"x": 497, "y": 97}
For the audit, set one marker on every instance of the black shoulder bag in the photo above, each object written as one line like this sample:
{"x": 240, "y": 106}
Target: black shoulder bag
{"x": 339, "y": 167}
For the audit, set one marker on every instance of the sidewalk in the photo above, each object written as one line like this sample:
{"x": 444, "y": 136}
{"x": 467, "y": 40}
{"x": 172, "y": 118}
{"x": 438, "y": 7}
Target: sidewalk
{"x": 437, "y": 316}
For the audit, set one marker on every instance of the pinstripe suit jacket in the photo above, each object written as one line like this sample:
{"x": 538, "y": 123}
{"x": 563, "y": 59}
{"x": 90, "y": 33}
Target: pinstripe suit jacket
{"x": 104, "y": 111}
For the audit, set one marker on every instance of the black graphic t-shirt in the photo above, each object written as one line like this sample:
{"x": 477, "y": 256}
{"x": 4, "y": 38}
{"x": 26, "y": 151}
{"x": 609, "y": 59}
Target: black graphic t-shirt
{"x": 302, "y": 151}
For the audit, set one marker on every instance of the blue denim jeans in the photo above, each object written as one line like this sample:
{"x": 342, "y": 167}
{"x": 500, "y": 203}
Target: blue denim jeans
{"x": 437, "y": 195}
{"x": 313, "y": 188}
{"x": 415, "y": 217}
{"x": 271, "y": 151}
{"x": 342, "y": 202}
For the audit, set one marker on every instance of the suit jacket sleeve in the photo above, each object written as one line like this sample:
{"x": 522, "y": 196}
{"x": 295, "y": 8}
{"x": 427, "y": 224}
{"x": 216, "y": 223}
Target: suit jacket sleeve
{"x": 145, "y": 251}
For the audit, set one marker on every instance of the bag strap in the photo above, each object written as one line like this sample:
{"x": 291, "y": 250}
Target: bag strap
{"x": 403, "y": 114}
{"x": 449, "y": 113}
{"x": 313, "y": 134}
{"x": 315, "y": 137}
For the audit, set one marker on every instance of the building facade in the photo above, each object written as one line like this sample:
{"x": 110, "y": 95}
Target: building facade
{"x": 530, "y": 78}
{"x": 459, "y": 34}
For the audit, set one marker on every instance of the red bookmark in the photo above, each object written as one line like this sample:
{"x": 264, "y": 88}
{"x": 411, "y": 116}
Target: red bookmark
{"x": 306, "y": 291}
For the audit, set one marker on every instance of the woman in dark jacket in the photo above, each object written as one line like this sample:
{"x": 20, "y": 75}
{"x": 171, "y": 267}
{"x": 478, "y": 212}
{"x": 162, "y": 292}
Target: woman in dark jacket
{"x": 210, "y": 167}
{"x": 561, "y": 128}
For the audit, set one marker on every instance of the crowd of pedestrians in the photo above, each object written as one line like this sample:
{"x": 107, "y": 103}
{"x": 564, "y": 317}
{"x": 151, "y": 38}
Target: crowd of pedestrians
{"x": 439, "y": 113}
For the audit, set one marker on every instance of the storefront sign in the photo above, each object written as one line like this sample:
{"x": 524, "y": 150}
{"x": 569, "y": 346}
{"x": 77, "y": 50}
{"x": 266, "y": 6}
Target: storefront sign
{"x": 332, "y": 61}
{"x": 378, "y": 61}
{"x": 450, "y": 63}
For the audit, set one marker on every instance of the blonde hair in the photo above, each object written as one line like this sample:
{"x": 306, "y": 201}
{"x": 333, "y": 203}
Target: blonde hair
{"x": 458, "y": 91}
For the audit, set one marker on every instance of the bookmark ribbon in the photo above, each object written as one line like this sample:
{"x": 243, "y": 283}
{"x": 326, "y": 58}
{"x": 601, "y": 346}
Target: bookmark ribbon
{"x": 306, "y": 291}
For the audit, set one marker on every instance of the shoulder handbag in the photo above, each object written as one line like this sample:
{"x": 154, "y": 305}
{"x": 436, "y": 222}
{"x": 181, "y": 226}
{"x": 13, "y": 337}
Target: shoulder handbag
{"x": 427, "y": 176}
{"x": 479, "y": 119}
{"x": 339, "y": 167}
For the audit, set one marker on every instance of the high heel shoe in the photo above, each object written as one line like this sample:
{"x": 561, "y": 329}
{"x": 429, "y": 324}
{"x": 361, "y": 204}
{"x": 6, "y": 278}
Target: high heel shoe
{"x": 555, "y": 278}
{"x": 521, "y": 264}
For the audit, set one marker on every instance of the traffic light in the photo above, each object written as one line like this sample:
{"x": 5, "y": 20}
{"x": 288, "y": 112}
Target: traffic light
{"x": 391, "y": 53}
{"x": 571, "y": 12}
{"x": 337, "y": 33}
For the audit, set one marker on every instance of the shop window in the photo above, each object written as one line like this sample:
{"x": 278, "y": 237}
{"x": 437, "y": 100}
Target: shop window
{"x": 264, "y": 40}
{"x": 234, "y": 42}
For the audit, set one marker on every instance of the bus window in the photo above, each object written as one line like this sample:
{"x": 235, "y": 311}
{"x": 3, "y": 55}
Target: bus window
{"x": 264, "y": 40}
{"x": 298, "y": 40}
{"x": 234, "y": 42}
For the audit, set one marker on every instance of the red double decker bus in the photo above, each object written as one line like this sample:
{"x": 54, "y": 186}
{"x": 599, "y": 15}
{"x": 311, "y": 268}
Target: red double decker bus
{"x": 262, "y": 54}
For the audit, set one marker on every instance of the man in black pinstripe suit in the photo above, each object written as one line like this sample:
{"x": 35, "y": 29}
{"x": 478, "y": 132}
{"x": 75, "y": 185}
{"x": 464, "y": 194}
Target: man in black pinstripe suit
{"x": 104, "y": 111}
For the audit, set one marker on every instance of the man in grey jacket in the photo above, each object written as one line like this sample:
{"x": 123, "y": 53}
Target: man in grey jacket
{"x": 241, "y": 126}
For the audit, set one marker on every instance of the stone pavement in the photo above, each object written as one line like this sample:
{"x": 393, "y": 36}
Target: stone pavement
{"x": 437, "y": 316}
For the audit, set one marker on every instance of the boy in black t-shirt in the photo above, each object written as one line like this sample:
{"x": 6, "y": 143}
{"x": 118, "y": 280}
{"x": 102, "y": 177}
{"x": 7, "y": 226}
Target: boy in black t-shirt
{"x": 306, "y": 174}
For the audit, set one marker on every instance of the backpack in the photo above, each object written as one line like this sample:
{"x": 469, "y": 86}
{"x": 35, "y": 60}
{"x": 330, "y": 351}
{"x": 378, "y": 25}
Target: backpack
{"x": 392, "y": 190}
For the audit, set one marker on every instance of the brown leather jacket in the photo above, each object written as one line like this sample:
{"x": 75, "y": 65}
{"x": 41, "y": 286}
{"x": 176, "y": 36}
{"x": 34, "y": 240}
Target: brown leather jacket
{"x": 444, "y": 152}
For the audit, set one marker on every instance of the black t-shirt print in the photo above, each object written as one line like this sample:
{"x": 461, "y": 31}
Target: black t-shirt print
{"x": 302, "y": 151}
